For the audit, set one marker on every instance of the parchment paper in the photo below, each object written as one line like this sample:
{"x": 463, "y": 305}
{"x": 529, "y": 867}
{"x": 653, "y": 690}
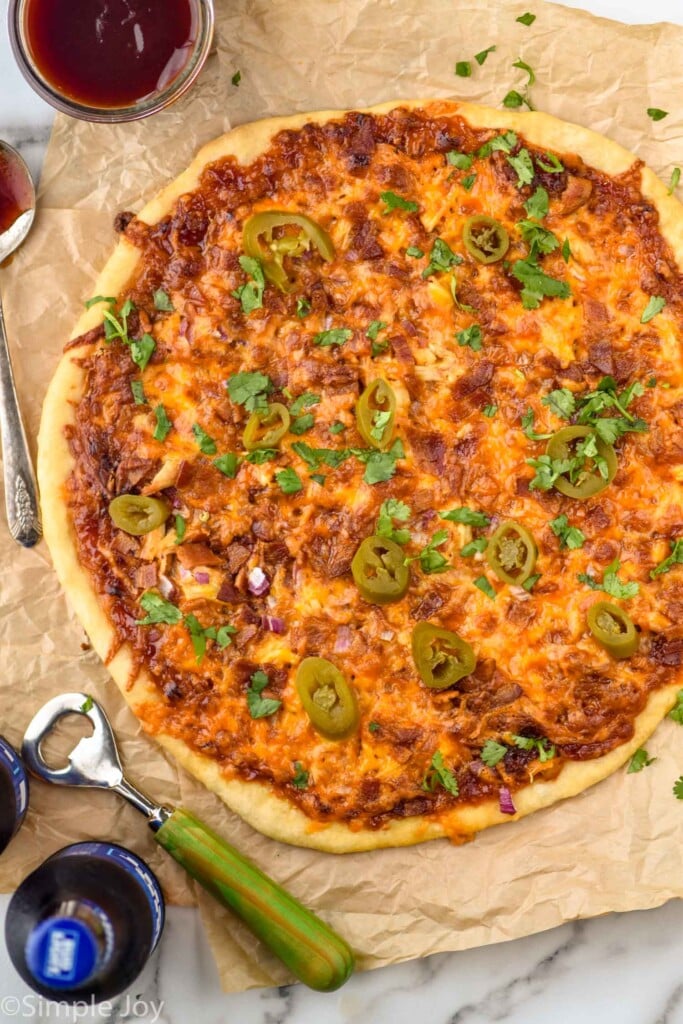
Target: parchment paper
{"x": 617, "y": 846}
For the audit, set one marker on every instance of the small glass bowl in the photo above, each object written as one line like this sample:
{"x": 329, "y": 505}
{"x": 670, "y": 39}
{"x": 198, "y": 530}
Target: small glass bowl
{"x": 150, "y": 104}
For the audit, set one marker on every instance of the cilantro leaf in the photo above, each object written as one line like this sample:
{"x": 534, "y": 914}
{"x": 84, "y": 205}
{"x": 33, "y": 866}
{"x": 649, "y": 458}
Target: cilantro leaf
{"x": 300, "y": 778}
{"x": 523, "y": 66}
{"x": 224, "y": 635}
{"x": 396, "y": 202}
{"x": 528, "y": 420}
{"x": 548, "y": 470}
{"x": 540, "y": 240}
{"x": 289, "y": 481}
{"x": 678, "y": 788}
{"x": 463, "y": 161}
{"x": 463, "y": 69}
{"x": 250, "y": 390}
{"x": 513, "y": 100}
{"x": 390, "y": 510}
{"x": 675, "y": 178}
{"x": 441, "y": 258}
{"x": 468, "y": 181}
{"x": 261, "y": 455}
{"x": 305, "y": 401}
{"x": 490, "y": 410}
{"x": 483, "y": 584}
{"x": 545, "y": 750}
{"x": 566, "y": 251}
{"x": 377, "y": 325}
{"x": 207, "y": 445}
{"x": 471, "y": 337}
{"x": 381, "y": 466}
{"x": 554, "y": 165}
{"x": 337, "y": 428}
{"x": 561, "y": 402}
{"x": 159, "y": 610}
{"x": 505, "y": 143}
{"x": 570, "y": 536}
{"x": 537, "y": 204}
{"x": 227, "y": 464}
{"x": 373, "y": 727}
{"x": 655, "y": 305}
{"x": 675, "y": 558}
{"x": 483, "y": 54}
{"x": 656, "y": 113}
{"x": 260, "y": 707}
{"x": 611, "y": 584}
{"x": 163, "y": 424}
{"x": 531, "y": 581}
{"x": 439, "y": 775}
{"x": 415, "y": 253}
{"x": 87, "y": 705}
{"x": 474, "y": 547}
{"x": 138, "y": 392}
{"x": 640, "y": 760}
{"x": 676, "y": 713}
{"x": 522, "y": 165}
{"x": 250, "y": 295}
{"x": 110, "y": 299}
{"x": 236, "y": 78}
{"x": 467, "y": 516}
{"x": 526, "y": 19}
{"x": 337, "y": 336}
{"x": 162, "y": 301}
{"x": 180, "y": 528}
{"x": 492, "y": 753}
{"x": 315, "y": 457}
{"x": 431, "y": 560}
{"x": 537, "y": 285}
{"x": 303, "y": 307}
{"x": 142, "y": 349}
{"x": 302, "y": 423}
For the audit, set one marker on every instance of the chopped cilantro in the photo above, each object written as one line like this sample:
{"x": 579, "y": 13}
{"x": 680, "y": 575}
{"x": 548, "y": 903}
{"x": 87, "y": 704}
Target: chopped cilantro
{"x": 110, "y": 299}
{"x": 319, "y": 479}
{"x": 390, "y": 510}
{"x": 227, "y": 464}
{"x": 441, "y": 258}
{"x": 159, "y": 610}
{"x": 537, "y": 204}
{"x": 250, "y": 390}
{"x": 522, "y": 165}
{"x": 675, "y": 558}
{"x": 474, "y": 547}
{"x": 675, "y": 178}
{"x": 483, "y": 584}
{"x": 463, "y": 69}
{"x": 505, "y": 143}
{"x": 303, "y": 307}
{"x": 250, "y": 295}
{"x": 641, "y": 759}
{"x": 87, "y": 705}
{"x": 566, "y": 251}
{"x": 180, "y": 528}
{"x": 337, "y": 427}
{"x": 570, "y": 536}
{"x": 236, "y": 78}
{"x": 676, "y": 713}
{"x": 381, "y": 466}
{"x": 162, "y": 301}
{"x": 531, "y": 581}
{"x": 492, "y": 753}
{"x": 483, "y": 54}
{"x": 439, "y": 775}
{"x": 554, "y": 165}
{"x": 289, "y": 481}
{"x": 431, "y": 560}
{"x": 513, "y": 100}
{"x": 261, "y": 455}
{"x": 528, "y": 420}
{"x": 537, "y": 285}
{"x": 315, "y": 457}
{"x": 678, "y": 788}
{"x": 337, "y": 336}
{"x": 463, "y": 161}
{"x": 396, "y": 202}
{"x": 141, "y": 350}
{"x": 376, "y": 326}
{"x": 373, "y": 727}
{"x": 655, "y": 305}
{"x": 138, "y": 392}
{"x": 414, "y": 252}
{"x": 207, "y": 445}
{"x": 611, "y": 584}
{"x": 163, "y": 424}
{"x": 468, "y": 181}
{"x": 302, "y": 423}
{"x": 471, "y": 337}
{"x": 305, "y": 401}
{"x": 656, "y": 113}
{"x": 300, "y": 777}
{"x": 467, "y": 516}
{"x": 526, "y": 19}
{"x": 260, "y": 707}
{"x": 540, "y": 240}
{"x": 561, "y": 401}
{"x": 545, "y": 750}
{"x": 523, "y": 66}
{"x": 490, "y": 410}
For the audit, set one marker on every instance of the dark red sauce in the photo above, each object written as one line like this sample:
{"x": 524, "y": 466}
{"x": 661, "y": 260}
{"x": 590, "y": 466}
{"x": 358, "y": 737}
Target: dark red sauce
{"x": 15, "y": 196}
{"x": 110, "y": 53}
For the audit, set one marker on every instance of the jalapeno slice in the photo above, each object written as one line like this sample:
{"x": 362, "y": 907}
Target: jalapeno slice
{"x": 379, "y": 570}
{"x": 512, "y": 553}
{"x": 266, "y": 429}
{"x": 587, "y": 479}
{"x": 327, "y": 698}
{"x": 613, "y": 629}
{"x": 441, "y": 657}
{"x": 138, "y": 514}
{"x": 259, "y": 242}
{"x": 485, "y": 238}
{"x": 376, "y": 414}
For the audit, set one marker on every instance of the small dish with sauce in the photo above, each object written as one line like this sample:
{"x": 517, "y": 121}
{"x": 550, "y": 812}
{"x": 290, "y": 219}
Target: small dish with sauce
{"x": 111, "y": 60}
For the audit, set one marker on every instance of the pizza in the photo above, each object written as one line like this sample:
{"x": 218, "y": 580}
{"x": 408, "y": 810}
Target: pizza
{"x": 362, "y": 469}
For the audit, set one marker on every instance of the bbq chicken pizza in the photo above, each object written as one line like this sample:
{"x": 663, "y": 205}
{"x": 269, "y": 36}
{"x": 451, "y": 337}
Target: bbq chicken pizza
{"x": 362, "y": 469}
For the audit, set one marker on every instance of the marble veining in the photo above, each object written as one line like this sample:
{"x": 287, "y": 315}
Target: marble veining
{"x": 617, "y": 969}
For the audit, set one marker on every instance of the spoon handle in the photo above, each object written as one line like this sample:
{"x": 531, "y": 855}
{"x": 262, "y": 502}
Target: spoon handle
{"x": 21, "y": 491}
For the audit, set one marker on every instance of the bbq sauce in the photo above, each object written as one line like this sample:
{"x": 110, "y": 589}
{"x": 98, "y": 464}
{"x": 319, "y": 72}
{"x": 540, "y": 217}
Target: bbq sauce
{"x": 13, "y": 793}
{"x": 15, "y": 196}
{"x": 110, "y": 53}
{"x": 83, "y": 925}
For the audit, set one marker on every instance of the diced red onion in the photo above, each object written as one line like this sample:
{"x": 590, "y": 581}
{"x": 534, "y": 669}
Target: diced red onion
{"x": 505, "y": 801}
{"x": 201, "y": 577}
{"x": 184, "y": 573}
{"x": 166, "y": 587}
{"x": 343, "y": 641}
{"x": 258, "y": 583}
{"x": 273, "y": 624}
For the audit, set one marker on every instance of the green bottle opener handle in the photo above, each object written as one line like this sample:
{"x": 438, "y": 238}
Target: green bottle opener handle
{"x": 313, "y": 952}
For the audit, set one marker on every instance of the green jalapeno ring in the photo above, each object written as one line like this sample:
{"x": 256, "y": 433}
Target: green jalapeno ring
{"x": 379, "y": 570}
{"x": 274, "y": 251}
{"x": 559, "y": 447}
{"x": 377, "y": 398}
{"x": 485, "y": 238}
{"x": 613, "y": 629}
{"x": 137, "y": 514}
{"x": 327, "y": 698}
{"x": 512, "y": 553}
{"x": 441, "y": 657}
{"x": 275, "y": 419}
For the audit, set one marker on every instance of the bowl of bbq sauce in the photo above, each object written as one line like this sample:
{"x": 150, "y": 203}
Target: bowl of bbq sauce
{"x": 111, "y": 60}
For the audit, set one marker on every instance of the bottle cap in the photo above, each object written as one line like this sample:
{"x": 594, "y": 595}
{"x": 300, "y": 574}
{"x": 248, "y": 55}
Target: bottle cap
{"x": 62, "y": 952}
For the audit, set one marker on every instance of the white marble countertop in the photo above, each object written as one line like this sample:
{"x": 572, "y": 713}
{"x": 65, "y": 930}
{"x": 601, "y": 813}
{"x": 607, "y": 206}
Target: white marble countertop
{"x": 618, "y": 969}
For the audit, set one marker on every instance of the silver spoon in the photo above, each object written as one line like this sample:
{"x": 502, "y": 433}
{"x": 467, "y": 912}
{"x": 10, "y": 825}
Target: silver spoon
{"x": 21, "y": 491}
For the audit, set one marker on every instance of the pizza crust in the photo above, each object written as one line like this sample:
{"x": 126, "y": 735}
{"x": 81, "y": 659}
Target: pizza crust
{"x": 253, "y": 801}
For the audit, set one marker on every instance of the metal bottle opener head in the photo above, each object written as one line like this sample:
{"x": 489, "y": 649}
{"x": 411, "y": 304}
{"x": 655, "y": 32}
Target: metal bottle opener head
{"x": 93, "y": 762}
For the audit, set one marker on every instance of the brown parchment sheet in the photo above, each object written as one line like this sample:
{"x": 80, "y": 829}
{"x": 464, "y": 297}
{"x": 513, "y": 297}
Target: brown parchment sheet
{"x": 617, "y": 846}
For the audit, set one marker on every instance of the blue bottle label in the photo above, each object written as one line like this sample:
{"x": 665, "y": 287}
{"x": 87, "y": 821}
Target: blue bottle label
{"x": 11, "y": 763}
{"x": 147, "y": 882}
{"x": 62, "y": 952}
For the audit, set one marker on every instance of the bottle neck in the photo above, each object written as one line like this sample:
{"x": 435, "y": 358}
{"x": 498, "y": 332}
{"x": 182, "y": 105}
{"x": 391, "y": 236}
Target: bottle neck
{"x": 71, "y": 946}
